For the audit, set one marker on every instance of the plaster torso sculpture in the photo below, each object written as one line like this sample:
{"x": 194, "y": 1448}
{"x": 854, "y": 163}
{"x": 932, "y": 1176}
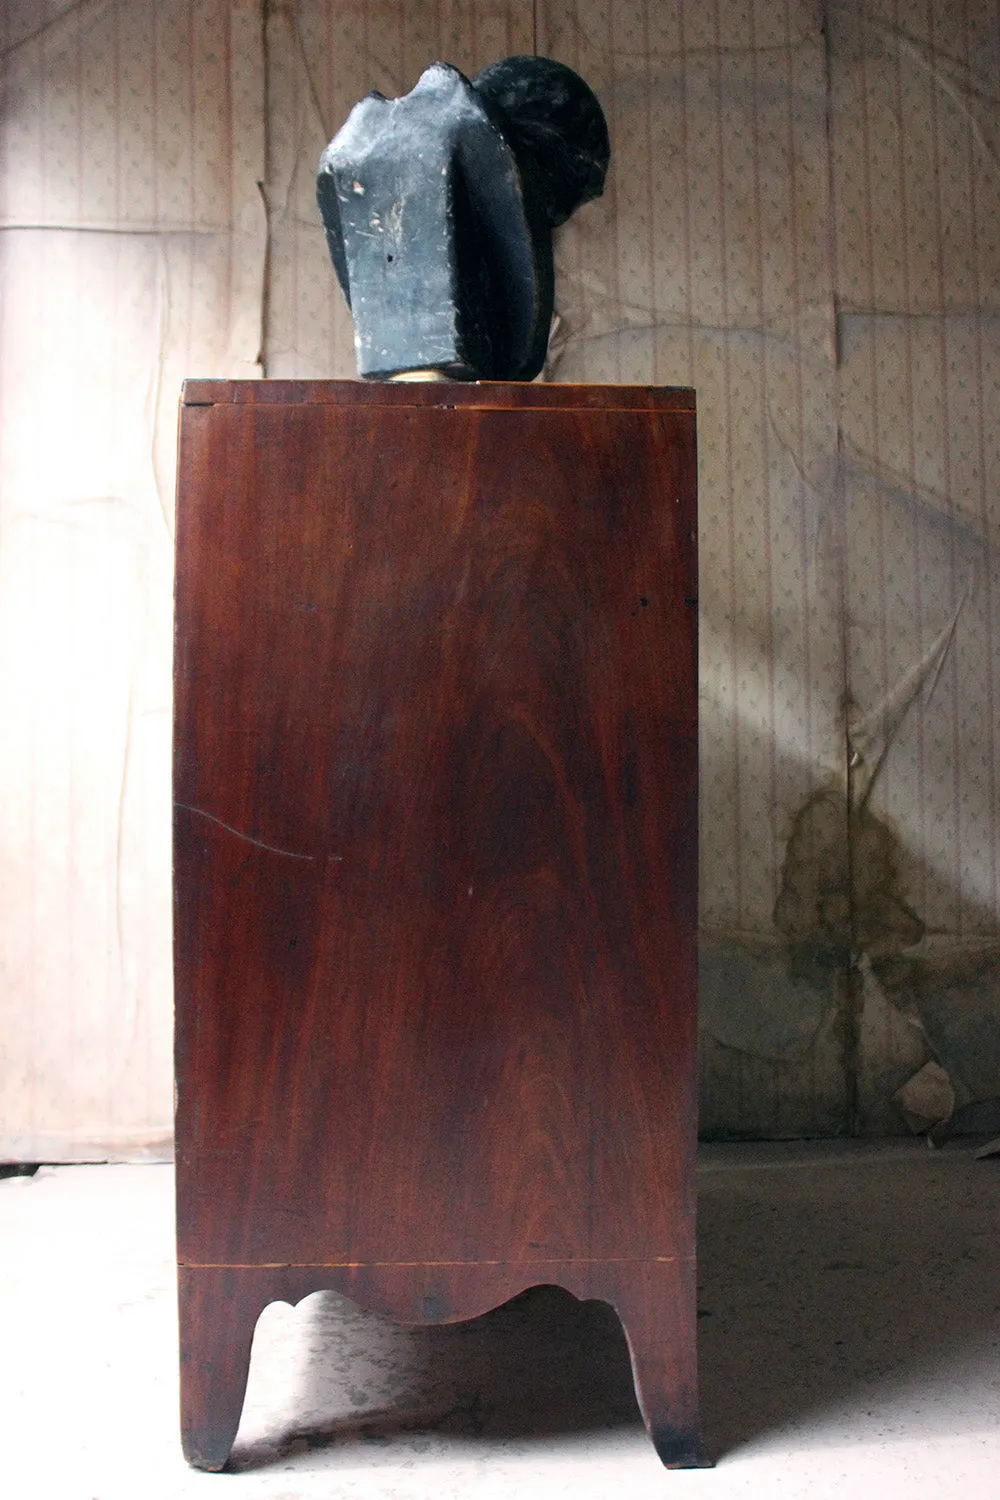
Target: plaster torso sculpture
{"x": 439, "y": 209}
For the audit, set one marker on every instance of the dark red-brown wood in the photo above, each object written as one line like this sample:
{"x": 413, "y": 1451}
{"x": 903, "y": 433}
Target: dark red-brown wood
{"x": 435, "y": 864}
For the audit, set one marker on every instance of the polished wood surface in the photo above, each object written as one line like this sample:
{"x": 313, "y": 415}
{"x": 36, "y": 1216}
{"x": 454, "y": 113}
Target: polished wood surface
{"x": 435, "y": 863}
{"x": 485, "y": 395}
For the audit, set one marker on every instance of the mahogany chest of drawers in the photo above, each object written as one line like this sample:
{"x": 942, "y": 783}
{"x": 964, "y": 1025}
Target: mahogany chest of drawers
{"x": 435, "y": 803}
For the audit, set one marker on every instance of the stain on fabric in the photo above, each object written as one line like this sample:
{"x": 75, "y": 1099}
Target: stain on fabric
{"x": 842, "y": 890}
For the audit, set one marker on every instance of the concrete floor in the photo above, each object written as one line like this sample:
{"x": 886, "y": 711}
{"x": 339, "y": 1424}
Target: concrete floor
{"x": 850, "y": 1344}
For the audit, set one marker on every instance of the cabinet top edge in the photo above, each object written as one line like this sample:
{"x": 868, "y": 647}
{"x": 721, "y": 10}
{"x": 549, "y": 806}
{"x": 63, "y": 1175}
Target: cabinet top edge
{"x": 486, "y": 395}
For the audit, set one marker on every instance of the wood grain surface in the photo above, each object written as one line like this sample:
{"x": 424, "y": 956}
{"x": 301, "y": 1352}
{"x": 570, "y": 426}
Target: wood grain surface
{"x": 485, "y": 395}
{"x": 435, "y": 837}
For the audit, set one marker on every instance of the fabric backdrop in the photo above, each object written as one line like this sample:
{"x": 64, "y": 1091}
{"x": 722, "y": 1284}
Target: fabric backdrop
{"x": 802, "y": 221}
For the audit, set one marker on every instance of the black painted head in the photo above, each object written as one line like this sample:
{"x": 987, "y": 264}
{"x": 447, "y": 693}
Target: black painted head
{"x": 438, "y": 209}
{"x": 556, "y": 127}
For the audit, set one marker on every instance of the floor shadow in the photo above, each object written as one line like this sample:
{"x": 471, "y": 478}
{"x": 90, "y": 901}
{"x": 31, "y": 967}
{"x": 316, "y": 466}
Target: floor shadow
{"x": 542, "y": 1366}
{"x": 838, "y": 1292}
